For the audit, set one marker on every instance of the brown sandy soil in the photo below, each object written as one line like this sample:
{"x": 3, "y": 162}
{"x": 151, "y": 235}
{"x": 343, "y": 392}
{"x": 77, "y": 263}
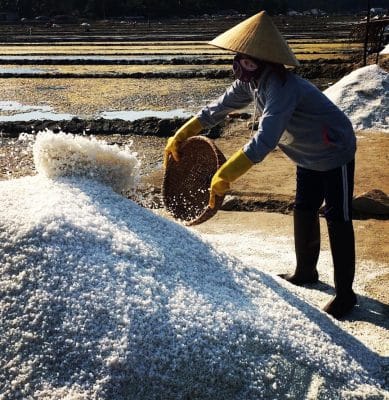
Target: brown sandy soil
{"x": 275, "y": 176}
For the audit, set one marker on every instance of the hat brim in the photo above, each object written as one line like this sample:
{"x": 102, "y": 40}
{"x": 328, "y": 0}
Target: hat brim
{"x": 257, "y": 37}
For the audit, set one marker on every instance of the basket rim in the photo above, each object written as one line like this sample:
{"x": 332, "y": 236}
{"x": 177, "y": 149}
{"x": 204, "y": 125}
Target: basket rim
{"x": 207, "y": 212}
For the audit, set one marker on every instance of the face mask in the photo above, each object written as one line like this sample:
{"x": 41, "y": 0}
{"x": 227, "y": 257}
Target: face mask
{"x": 245, "y": 69}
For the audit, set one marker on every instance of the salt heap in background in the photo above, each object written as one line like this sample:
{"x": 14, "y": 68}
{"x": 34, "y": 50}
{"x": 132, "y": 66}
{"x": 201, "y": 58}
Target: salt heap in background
{"x": 102, "y": 299}
{"x": 363, "y": 95}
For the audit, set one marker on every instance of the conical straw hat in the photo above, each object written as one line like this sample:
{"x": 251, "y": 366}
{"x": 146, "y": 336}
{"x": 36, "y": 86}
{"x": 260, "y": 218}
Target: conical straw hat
{"x": 258, "y": 37}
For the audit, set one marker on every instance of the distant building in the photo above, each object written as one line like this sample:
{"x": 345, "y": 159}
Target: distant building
{"x": 377, "y": 11}
{"x": 315, "y": 12}
{"x": 293, "y": 13}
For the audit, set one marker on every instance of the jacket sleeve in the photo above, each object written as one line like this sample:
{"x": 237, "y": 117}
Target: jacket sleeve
{"x": 237, "y": 96}
{"x": 280, "y": 101}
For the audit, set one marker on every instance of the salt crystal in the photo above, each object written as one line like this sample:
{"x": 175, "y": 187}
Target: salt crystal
{"x": 167, "y": 314}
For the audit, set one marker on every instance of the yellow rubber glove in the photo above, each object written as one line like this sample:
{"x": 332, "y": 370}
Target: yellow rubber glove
{"x": 190, "y": 128}
{"x": 231, "y": 170}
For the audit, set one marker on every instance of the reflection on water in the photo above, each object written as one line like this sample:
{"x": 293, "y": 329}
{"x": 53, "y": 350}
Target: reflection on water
{"x": 133, "y": 115}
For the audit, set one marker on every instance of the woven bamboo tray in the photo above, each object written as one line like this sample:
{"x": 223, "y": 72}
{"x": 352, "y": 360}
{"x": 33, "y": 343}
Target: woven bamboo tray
{"x": 186, "y": 183}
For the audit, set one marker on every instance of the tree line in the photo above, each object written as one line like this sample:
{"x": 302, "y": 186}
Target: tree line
{"x": 166, "y": 8}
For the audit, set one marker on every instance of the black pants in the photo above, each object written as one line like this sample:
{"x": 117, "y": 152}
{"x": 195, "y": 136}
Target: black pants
{"x": 335, "y": 187}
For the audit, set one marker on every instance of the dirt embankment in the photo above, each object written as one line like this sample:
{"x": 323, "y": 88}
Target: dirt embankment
{"x": 144, "y": 127}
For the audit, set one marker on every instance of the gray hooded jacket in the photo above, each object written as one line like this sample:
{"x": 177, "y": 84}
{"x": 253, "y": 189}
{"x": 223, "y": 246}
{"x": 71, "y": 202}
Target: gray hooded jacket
{"x": 296, "y": 116}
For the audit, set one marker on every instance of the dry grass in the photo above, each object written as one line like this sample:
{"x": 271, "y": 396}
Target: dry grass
{"x": 325, "y": 47}
{"x": 120, "y": 69}
{"x": 108, "y": 49}
{"x": 87, "y": 97}
{"x": 306, "y": 46}
{"x": 326, "y": 56}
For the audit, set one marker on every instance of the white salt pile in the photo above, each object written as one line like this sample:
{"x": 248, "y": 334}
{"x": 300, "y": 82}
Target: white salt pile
{"x": 385, "y": 50}
{"x": 102, "y": 299}
{"x": 364, "y": 96}
{"x": 66, "y": 155}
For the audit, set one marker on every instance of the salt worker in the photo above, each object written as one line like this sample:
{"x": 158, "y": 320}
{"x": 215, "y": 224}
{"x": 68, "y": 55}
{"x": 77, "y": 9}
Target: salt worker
{"x": 312, "y": 131}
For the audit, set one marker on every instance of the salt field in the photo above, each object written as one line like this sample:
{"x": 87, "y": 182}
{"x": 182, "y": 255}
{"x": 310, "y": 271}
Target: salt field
{"x": 362, "y": 95}
{"x": 103, "y": 295}
{"x": 105, "y": 299}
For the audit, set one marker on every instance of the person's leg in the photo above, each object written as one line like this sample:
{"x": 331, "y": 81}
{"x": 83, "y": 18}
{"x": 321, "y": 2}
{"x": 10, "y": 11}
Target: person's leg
{"x": 339, "y": 186}
{"x": 309, "y": 197}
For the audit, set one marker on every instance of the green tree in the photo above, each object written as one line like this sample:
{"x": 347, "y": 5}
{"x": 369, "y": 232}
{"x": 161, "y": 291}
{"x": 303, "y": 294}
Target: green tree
{"x": 166, "y": 8}
{"x": 8, "y": 5}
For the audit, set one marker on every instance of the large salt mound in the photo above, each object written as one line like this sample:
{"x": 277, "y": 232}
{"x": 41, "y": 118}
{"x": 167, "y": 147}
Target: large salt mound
{"x": 364, "y": 97}
{"x": 102, "y": 299}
